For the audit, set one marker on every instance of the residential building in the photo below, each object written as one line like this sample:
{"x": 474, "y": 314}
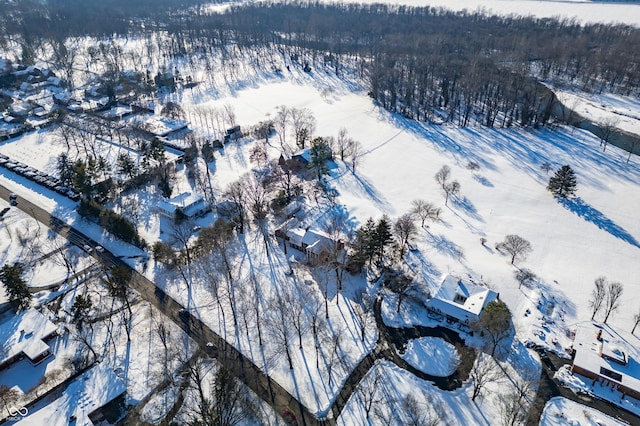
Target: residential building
{"x": 461, "y": 301}
{"x": 26, "y": 335}
{"x": 608, "y": 355}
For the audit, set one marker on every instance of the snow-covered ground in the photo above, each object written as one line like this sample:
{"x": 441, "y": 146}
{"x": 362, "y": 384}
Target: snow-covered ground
{"x": 432, "y": 355}
{"x": 561, "y": 411}
{"x": 583, "y": 11}
{"x": 621, "y": 111}
{"x": 573, "y": 243}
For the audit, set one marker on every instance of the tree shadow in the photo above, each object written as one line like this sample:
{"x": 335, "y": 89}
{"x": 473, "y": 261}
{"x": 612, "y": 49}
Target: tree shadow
{"x": 465, "y": 204}
{"x": 590, "y": 214}
{"x": 445, "y": 246}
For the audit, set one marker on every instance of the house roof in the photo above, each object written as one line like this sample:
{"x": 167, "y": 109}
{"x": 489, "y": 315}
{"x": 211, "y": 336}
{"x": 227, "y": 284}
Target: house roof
{"x": 473, "y": 298}
{"x": 24, "y": 333}
{"x": 614, "y": 344}
{"x": 82, "y": 397}
{"x": 315, "y": 241}
{"x": 188, "y": 202}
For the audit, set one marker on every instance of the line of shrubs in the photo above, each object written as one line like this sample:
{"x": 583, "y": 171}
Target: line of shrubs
{"x": 117, "y": 224}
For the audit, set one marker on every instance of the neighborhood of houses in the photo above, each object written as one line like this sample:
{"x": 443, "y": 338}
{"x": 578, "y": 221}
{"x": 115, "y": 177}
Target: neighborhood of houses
{"x": 33, "y": 98}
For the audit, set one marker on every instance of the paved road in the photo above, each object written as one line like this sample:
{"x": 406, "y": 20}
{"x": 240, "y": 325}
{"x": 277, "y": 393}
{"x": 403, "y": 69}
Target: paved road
{"x": 227, "y": 355}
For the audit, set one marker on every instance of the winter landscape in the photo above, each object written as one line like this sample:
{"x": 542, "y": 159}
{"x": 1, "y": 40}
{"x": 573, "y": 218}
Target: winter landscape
{"x": 289, "y": 214}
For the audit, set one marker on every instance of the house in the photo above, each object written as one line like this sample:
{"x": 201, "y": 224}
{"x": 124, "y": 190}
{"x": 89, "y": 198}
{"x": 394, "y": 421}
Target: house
{"x": 158, "y": 126}
{"x": 608, "y": 355}
{"x": 232, "y": 134}
{"x": 26, "y": 334}
{"x": 83, "y": 401}
{"x": 316, "y": 245}
{"x": 190, "y": 204}
{"x": 461, "y": 301}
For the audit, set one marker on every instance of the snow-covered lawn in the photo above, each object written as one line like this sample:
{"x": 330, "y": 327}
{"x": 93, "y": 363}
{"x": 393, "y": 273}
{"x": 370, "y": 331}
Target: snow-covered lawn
{"x": 561, "y": 411}
{"x": 390, "y": 392}
{"x": 432, "y": 355}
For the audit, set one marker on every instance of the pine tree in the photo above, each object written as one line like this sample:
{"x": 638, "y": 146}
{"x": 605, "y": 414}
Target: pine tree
{"x": 15, "y": 286}
{"x": 383, "y": 236}
{"x": 563, "y": 182}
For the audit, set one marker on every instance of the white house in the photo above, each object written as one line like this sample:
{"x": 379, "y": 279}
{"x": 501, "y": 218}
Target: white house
{"x": 608, "y": 355}
{"x": 26, "y": 334}
{"x": 460, "y": 300}
{"x": 191, "y": 205}
{"x": 317, "y": 245}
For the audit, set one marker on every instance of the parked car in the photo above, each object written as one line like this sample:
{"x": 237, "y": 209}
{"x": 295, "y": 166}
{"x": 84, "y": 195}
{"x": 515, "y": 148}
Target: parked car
{"x": 100, "y": 249}
{"x": 87, "y": 248}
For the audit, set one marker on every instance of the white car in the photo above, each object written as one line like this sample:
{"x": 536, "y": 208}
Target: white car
{"x": 100, "y": 249}
{"x": 87, "y": 248}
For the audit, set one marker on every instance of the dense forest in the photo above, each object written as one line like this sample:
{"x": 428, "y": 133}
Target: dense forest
{"x": 425, "y": 63}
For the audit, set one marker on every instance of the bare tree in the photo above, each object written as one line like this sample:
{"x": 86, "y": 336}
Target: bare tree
{"x": 226, "y": 404}
{"x": 363, "y": 310}
{"x": 280, "y": 327}
{"x": 484, "y": 371}
{"x": 546, "y": 166}
{"x": 8, "y": 397}
{"x": 399, "y": 283}
{"x": 405, "y": 231}
{"x": 304, "y": 124}
{"x": 416, "y": 413}
{"x": 636, "y": 321}
{"x": 356, "y": 154}
{"x": 598, "y": 295}
{"x": 605, "y": 131}
{"x": 369, "y": 390}
{"x": 511, "y": 409}
{"x": 280, "y": 123}
{"x": 516, "y": 246}
{"x": 237, "y": 195}
{"x": 612, "y": 301}
{"x": 443, "y": 175}
{"x": 335, "y": 357}
{"x": 524, "y": 276}
{"x": 424, "y": 211}
{"x": 342, "y": 144}
{"x": 451, "y": 188}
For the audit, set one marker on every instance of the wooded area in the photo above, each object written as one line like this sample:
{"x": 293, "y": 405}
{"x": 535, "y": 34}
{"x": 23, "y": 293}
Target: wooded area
{"x": 426, "y": 63}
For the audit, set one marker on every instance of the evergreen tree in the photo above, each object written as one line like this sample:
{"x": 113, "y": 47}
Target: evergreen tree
{"x": 563, "y": 182}
{"x": 383, "y": 236}
{"x": 320, "y": 153}
{"x": 363, "y": 247}
{"x": 15, "y": 286}
{"x": 80, "y": 309}
{"x": 126, "y": 165}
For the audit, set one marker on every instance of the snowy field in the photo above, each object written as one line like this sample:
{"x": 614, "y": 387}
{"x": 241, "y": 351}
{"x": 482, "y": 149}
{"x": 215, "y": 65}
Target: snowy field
{"x": 432, "y": 355}
{"x": 561, "y": 411}
{"x": 584, "y": 11}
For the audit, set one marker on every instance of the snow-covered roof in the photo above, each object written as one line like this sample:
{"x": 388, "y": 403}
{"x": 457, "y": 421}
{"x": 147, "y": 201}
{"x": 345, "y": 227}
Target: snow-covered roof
{"x": 83, "y": 396}
{"x": 188, "y": 202}
{"x": 159, "y": 126}
{"x": 25, "y": 333}
{"x": 616, "y": 351}
{"x": 296, "y": 235}
{"x": 317, "y": 241}
{"x": 460, "y": 299}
